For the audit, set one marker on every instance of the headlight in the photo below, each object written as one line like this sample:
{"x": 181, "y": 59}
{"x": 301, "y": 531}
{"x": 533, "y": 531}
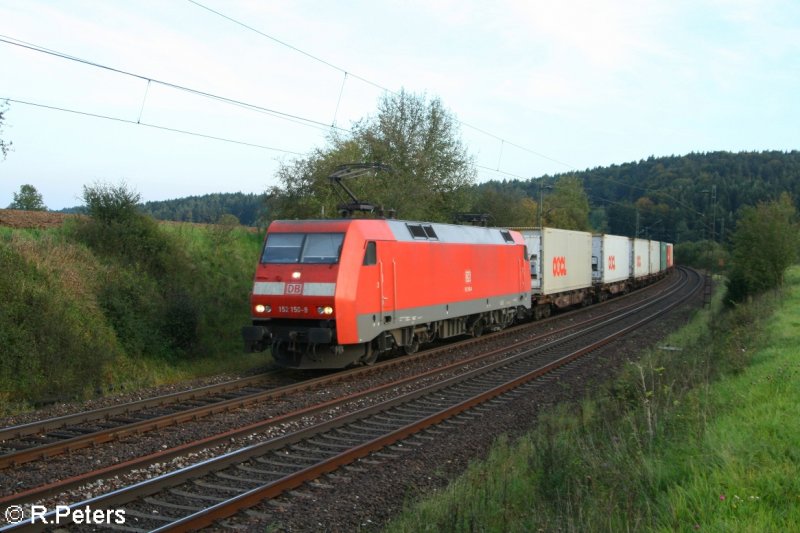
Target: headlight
{"x": 263, "y": 308}
{"x": 327, "y": 310}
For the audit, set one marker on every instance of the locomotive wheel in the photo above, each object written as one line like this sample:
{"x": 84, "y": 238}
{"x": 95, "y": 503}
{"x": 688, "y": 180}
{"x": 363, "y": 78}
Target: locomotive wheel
{"x": 413, "y": 347}
{"x": 370, "y": 357}
{"x": 546, "y": 311}
{"x": 477, "y": 328}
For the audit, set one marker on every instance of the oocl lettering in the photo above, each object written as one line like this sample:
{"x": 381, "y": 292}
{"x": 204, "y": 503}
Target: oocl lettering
{"x": 559, "y": 266}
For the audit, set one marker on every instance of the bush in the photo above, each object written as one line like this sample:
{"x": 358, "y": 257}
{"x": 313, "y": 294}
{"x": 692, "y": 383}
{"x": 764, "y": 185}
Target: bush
{"x": 53, "y": 345}
{"x": 147, "y": 297}
{"x": 765, "y": 244}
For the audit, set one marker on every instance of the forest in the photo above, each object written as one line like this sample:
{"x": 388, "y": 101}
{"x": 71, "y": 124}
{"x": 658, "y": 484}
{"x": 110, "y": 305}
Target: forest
{"x": 206, "y": 209}
{"x": 675, "y": 198}
{"x": 679, "y": 198}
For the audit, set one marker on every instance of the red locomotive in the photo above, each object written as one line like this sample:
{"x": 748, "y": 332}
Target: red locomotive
{"x": 332, "y": 293}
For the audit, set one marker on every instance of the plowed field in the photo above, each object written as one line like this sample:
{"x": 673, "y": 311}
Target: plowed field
{"x": 31, "y": 219}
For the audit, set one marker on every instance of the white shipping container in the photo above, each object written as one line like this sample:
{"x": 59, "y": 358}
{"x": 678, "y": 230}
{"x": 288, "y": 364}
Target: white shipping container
{"x": 611, "y": 257}
{"x": 640, "y": 258}
{"x": 655, "y": 257}
{"x": 561, "y": 260}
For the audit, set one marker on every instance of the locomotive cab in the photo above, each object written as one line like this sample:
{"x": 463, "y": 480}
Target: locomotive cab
{"x": 293, "y": 300}
{"x": 306, "y": 275}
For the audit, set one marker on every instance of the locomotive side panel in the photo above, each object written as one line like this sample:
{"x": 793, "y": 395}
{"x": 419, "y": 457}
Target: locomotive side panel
{"x": 448, "y": 272}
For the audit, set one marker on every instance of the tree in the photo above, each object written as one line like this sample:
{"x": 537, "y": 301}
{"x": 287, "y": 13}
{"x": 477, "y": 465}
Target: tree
{"x": 765, "y": 244}
{"x": 111, "y": 203}
{"x": 5, "y": 146}
{"x": 117, "y": 228}
{"x": 568, "y": 206}
{"x": 28, "y": 199}
{"x": 416, "y": 136}
{"x": 505, "y": 208}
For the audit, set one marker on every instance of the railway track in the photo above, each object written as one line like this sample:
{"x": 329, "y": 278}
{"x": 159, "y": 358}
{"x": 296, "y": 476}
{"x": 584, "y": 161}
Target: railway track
{"x": 209, "y": 491}
{"x": 324, "y": 383}
{"x": 42, "y": 439}
{"x": 47, "y": 438}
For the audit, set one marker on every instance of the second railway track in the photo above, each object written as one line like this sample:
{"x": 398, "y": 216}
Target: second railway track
{"x": 200, "y": 494}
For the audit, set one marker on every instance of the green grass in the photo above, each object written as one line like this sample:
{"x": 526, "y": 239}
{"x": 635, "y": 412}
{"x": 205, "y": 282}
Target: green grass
{"x": 746, "y": 474}
{"x": 704, "y": 438}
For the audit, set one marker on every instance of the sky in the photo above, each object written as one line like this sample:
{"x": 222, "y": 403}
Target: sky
{"x": 538, "y": 87}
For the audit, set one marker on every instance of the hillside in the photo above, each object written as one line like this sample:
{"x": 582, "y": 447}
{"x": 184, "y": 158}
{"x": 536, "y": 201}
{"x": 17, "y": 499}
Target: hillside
{"x": 90, "y": 306}
{"x": 674, "y": 198}
{"x": 678, "y": 198}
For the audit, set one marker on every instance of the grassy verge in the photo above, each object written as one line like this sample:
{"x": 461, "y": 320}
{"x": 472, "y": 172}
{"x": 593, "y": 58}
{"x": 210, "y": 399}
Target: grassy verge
{"x": 702, "y": 436}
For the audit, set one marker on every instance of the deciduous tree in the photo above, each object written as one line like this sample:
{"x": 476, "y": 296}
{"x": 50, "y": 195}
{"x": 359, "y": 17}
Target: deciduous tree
{"x": 416, "y": 136}
{"x": 28, "y": 199}
{"x": 567, "y": 207}
{"x": 765, "y": 244}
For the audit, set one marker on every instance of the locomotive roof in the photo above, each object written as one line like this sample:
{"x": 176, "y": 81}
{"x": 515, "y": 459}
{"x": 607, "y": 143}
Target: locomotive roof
{"x": 408, "y": 230}
{"x": 411, "y": 230}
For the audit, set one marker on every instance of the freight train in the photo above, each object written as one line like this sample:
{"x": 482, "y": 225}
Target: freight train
{"x": 336, "y": 293}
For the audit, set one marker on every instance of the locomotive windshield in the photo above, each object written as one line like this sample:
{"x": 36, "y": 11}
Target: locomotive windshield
{"x": 309, "y": 248}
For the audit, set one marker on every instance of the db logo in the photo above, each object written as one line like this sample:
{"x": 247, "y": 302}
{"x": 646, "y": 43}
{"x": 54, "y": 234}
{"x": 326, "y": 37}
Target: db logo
{"x": 612, "y": 262}
{"x": 559, "y": 266}
{"x": 294, "y": 288}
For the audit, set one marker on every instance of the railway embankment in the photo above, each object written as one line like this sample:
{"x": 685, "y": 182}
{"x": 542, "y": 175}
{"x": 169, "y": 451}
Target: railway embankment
{"x": 90, "y": 308}
{"x": 698, "y": 434}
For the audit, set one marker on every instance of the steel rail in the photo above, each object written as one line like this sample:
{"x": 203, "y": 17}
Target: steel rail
{"x": 46, "y": 450}
{"x": 221, "y": 510}
{"x": 38, "y": 493}
{"x": 232, "y": 506}
{"x": 104, "y": 413}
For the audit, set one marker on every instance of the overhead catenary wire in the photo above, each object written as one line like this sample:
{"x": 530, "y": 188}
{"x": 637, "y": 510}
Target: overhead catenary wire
{"x": 339, "y": 100}
{"x": 273, "y": 112}
{"x": 155, "y": 126}
{"x": 283, "y": 43}
{"x": 224, "y": 99}
{"x": 250, "y": 106}
{"x": 370, "y": 82}
{"x": 509, "y": 174}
